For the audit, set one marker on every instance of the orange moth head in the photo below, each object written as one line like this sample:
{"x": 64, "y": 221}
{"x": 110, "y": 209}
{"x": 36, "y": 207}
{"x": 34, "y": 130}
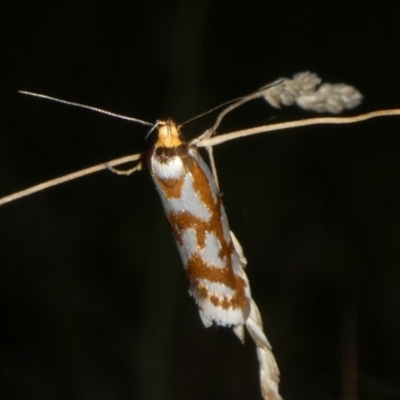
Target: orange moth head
{"x": 168, "y": 134}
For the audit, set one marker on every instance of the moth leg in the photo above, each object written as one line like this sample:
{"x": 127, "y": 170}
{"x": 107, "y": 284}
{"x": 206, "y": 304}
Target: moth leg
{"x": 213, "y": 167}
{"x": 137, "y": 167}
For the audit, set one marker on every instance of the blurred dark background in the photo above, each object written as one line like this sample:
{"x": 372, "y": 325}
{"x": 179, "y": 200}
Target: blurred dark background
{"x": 93, "y": 296}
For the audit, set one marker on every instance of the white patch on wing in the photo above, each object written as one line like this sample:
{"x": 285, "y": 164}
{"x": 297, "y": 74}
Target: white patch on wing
{"x": 237, "y": 267}
{"x": 189, "y": 239}
{"x": 189, "y": 201}
{"x": 210, "y": 313}
{"x": 210, "y": 253}
{"x": 173, "y": 169}
{"x": 219, "y": 290}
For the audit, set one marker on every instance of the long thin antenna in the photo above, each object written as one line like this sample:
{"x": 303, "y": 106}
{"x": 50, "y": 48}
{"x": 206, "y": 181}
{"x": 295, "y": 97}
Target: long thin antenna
{"x": 99, "y": 110}
{"x": 226, "y": 103}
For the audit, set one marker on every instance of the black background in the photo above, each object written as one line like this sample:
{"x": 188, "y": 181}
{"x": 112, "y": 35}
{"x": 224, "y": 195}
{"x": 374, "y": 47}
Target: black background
{"x": 93, "y": 296}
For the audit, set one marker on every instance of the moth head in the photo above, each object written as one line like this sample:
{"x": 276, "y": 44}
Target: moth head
{"x": 169, "y": 134}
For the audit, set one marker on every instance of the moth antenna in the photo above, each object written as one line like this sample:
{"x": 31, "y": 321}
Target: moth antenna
{"x": 227, "y": 103}
{"x": 99, "y": 110}
{"x": 244, "y": 99}
{"x": 152, "y": 129}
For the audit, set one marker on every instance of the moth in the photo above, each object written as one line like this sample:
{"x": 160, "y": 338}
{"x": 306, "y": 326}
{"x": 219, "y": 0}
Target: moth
{"x": 211, "y": 254}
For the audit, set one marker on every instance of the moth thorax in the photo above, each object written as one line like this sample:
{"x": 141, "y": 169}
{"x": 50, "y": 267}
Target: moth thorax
{"x": 168, "y": 134}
